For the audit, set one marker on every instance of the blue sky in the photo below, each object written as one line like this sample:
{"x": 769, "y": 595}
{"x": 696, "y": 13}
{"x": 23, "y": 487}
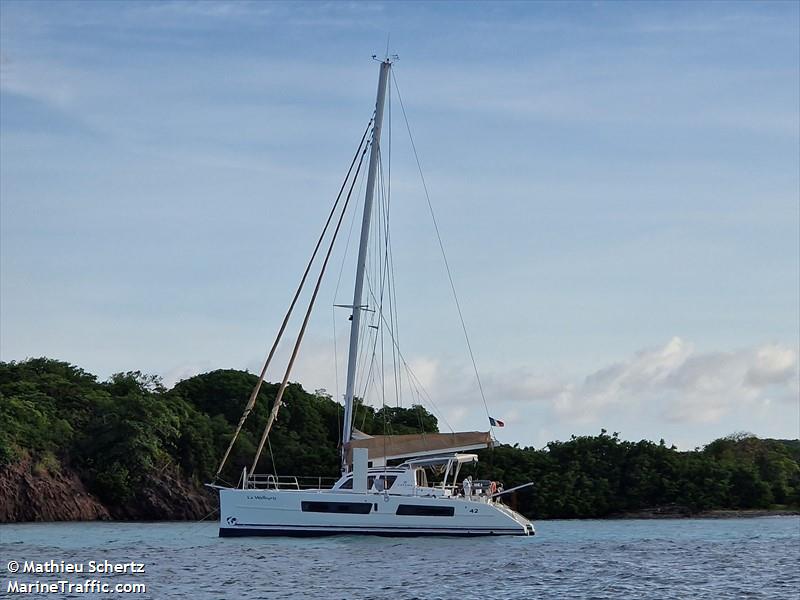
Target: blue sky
{"x": 617, "y": 187}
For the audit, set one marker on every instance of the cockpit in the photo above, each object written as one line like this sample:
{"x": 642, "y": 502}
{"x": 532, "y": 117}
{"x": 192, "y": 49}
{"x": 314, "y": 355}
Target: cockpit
{"x": 411, "y": 477}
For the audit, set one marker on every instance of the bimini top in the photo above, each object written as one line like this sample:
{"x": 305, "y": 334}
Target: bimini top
{"x": 441, "y": 460}
{"x": 419, "y": 445}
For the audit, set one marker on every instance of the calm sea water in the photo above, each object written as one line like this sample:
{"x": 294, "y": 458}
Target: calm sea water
{"x": 735, "y": 558}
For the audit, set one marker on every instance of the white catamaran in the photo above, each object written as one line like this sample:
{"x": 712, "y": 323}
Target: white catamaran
{"x": 384, "y": 487}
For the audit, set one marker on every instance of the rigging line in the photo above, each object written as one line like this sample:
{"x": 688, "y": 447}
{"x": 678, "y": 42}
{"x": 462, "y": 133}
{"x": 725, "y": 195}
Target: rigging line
{"x": 387, "y": 278}
{"x": 377, "y": 263}
{"x": 336, "y": 366}
{"x": 444, "y": 255}
{"x": 382, "y": 273}
{"x": 390, "y": 278}
{"x": 393, "y": 319}
{"x": 365, "y": 335}
{"x": 362, "y": 365}
{"x": 277, "y": 404}
{"x": 369, "y": 377}
{"x": 413, "y": 377}
{"x": 389, "y": 147}
{"x": 384, "y": 267}
{"x": 369, "y": 357}
{"x": 372, "y": 375}
{"x": 378, "y": 314}
{"x": 254, "y": 395}
{"x": 383, "y": 364}
{"x": 349, "y": 235}
{"x": 379, "y": 266}
{"x": 390, "y": 282}
{"x": 336, "y": 375}
{"x": 364, "y": 342}
{"x": 424, "y": 397}
{"x": 368, "y": 334}
{"x": 393, "y": 288}
{"x": 339, "y": 417}
{"x": 336, "y": 370}
{"x": 396, "y": 328}
{"x": 272, "y": 456}
{"x": 333, "y": 308}
{"x": 364, "y": 330}
{"x": 367, "y": 380}
{"x": 364, "y": 415}
{"x": 419, "y": 418}
{"x": 393, "y": 324}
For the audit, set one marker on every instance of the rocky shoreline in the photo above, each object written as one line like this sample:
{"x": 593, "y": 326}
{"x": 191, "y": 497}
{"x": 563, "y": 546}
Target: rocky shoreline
{"x": 30, "y": 493}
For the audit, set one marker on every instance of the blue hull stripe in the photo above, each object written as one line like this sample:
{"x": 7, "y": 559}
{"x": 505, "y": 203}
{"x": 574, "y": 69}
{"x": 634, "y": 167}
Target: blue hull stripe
{"x": 247, "y": 529}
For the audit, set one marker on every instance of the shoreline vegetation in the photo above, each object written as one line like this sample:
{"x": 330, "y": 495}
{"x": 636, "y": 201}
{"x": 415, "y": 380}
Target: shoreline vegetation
{"x": 683, "y": 512}
{"x": 76, "y": 448}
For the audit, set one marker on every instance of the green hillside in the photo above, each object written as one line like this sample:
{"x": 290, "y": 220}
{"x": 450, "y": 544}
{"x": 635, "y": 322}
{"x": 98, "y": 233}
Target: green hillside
{"x": 124, "y": 437}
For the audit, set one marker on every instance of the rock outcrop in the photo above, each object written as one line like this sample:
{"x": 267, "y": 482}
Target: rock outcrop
{"x": 30, "y": 492}
{"x": 168, "y": 497}
{"x": 35, "y": 494}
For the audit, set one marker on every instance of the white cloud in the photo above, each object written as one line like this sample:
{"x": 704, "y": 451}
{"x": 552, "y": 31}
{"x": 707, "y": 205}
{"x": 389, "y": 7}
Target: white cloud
{"x": 773, "y": 364}
{"x": 683, "y": 385}
{"x": 669, "y": 388}
{"x": 673, "y": 382}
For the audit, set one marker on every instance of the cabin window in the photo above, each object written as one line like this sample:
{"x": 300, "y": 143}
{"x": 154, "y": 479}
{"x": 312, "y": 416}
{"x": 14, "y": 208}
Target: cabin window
{"x": 425, "y": 511}
{"x": 381, "y": 482}
{"x": 347, "y": 485}
{"x": 352, "y": 508}
{"x": 422, "y": 478}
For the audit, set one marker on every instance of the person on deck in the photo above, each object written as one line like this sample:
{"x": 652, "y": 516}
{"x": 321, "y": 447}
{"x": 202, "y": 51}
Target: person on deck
{"x": 467, "y": 483}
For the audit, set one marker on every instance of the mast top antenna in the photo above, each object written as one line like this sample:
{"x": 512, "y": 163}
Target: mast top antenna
{"x": 387, "y": 58}
{"x": 390, "y": 58}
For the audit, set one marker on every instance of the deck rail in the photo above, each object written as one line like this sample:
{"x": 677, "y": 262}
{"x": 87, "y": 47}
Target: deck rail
{"x": 268, "y": 481}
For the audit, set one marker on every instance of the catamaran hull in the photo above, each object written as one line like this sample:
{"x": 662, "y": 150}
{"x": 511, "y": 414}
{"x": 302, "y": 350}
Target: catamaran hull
{"x": 300, "y": 513}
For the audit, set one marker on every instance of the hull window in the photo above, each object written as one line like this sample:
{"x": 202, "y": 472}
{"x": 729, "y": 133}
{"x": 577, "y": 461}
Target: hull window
{"x": 426, "y": 511}
{"x": 352, "y": 508}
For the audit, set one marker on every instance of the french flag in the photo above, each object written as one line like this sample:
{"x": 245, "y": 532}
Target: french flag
{"x": 496, "y": 422}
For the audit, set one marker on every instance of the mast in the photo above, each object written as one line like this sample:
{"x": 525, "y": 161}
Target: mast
{"x": 362, "y": 259}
